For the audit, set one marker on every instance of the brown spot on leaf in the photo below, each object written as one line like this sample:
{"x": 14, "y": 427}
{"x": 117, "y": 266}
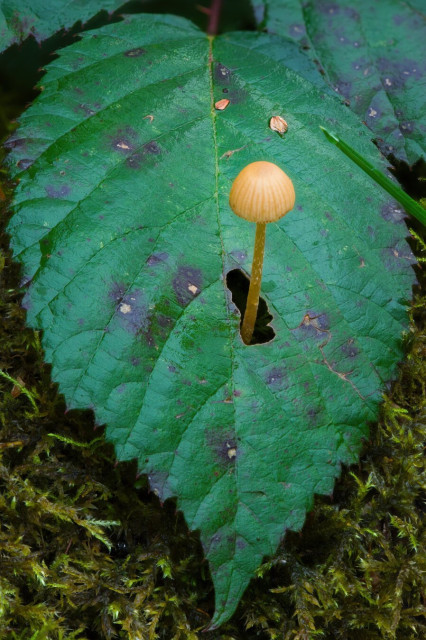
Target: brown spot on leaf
{"x": 231, "y": 152}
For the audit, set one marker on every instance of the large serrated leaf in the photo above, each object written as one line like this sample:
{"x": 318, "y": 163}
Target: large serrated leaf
{"x": 123, "y": 227}
{"x": 372, "y": 53}
{"x": 42, "y": 18}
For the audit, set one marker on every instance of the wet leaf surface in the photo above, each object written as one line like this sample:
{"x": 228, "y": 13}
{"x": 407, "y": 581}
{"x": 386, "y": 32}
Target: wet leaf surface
{"x": 42, "y": 18}
{"x": 126, "y": 238}
{"x": 372, "y": 53}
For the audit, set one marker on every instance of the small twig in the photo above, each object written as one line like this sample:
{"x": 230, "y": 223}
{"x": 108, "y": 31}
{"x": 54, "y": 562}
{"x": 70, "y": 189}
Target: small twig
{"x": 21, "y": 387}
{"x": 215, "y": 8}
{"x": 202, "y": 9}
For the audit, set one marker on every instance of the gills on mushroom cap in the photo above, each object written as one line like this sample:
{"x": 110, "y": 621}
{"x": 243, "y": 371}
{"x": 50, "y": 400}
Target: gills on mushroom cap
{"x": 262, "y": 192}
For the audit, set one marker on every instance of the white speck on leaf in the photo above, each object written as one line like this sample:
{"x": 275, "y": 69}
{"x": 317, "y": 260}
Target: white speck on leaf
{"x": 122, "y": 145}
{"x": 125, "y": 308}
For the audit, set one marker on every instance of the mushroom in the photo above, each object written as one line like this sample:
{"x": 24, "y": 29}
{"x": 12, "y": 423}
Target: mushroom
{"x": 260, "y": 193}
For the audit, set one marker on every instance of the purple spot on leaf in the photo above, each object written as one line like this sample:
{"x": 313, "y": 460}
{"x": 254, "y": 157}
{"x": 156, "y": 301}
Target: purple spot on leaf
{"x": 24, "y": 163}
{"x": 222, "y": 74}
{"x": 158, "y": 481}
{"x": 88, "y": 111}
{"x": 136, "y": 160}
{"x": 57, "y": 192}
{"x": 152, "y": 148}
{"x": 157, "y": 258}
{"x": 223, "y": 444}
{"x": 393, "y": 212}
{"x": 187, "y": 284}
{"x": 349, "y": 349}
{"x": 117, "y": 292}
{"x": 132, "y": 313}
{"x": 395, "y": 74}
{"x": 124, "y": 140}
{"x": 314, "y": 325}
{"x": 276, "y": 378}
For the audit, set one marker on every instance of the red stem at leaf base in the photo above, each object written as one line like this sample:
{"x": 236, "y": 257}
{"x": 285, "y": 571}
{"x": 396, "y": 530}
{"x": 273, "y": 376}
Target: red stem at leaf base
{"x": 213, "y": 25}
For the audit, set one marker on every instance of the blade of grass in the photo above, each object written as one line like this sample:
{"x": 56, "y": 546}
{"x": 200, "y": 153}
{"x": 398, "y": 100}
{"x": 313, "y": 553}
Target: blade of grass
{"x": 22, "y": 388}
{"x": 410, "y": 205}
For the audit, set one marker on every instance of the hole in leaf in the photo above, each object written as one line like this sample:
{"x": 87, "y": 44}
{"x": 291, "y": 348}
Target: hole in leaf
{"x": 238, "y": 284}
{"x": 412, "y": 178}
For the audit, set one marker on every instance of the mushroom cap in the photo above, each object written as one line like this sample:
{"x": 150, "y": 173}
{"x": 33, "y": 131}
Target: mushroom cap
{"x": 262, "y": 192}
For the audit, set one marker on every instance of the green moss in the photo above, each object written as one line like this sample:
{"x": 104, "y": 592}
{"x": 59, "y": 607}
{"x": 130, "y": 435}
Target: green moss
{"x": 87, "y": 552}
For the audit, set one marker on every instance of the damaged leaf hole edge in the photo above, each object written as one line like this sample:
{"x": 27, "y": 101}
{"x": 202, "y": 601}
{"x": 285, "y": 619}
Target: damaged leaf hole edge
{"x": 238, "y": 284}
{"x": 260, "y": 193}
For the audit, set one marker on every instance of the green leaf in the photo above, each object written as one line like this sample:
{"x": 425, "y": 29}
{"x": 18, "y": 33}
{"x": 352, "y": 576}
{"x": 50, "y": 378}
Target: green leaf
{"x": 42, "y": 18}
{"x": 372, "y": 54}
{"x": 126, "y": 237}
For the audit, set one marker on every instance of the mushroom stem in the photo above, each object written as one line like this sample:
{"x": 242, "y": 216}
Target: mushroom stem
{"x": 252, "y": 304}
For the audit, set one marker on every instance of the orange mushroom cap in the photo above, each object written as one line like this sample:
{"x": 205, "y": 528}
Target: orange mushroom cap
{"x": 262, "y": 192}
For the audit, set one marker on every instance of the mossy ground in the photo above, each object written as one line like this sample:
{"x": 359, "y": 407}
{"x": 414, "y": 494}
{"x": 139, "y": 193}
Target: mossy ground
{"x": 87, "y": 552}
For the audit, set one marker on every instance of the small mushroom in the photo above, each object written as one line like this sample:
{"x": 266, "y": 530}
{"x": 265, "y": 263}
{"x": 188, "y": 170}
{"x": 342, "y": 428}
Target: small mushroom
{"x": 260, "y": 193}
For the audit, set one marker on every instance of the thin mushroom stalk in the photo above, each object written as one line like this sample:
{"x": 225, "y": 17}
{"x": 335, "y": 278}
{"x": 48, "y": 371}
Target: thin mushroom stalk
{"x": 261, "y": 193}
{"x": 252, "y": 303}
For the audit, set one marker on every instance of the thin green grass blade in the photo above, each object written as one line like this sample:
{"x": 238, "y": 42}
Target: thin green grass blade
{"x": 410, "y": 205}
